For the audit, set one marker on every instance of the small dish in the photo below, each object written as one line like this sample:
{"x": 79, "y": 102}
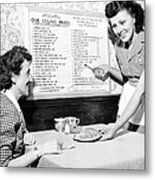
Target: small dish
{"x": 88, "y": 135}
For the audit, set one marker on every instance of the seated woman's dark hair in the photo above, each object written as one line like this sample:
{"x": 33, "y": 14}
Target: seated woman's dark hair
{"x": 134, "y": 9}
{"x": 10, "y": 63}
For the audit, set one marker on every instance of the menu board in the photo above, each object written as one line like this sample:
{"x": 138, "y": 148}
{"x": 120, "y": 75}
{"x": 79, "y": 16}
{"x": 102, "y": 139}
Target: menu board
{"x": 61, "y": 43}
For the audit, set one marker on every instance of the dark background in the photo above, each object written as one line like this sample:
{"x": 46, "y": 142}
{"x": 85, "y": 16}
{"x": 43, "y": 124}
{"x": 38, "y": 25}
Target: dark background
{"x": 40, "y": 114}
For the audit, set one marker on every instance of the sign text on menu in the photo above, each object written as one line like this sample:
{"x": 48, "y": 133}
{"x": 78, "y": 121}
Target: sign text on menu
{"x": 61, "y": 44}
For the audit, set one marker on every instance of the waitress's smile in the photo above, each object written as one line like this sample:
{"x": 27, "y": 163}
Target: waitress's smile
{"x": 123, "y": 25}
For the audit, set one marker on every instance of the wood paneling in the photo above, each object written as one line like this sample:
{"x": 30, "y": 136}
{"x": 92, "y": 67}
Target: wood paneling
{"x": 39, "y": 114}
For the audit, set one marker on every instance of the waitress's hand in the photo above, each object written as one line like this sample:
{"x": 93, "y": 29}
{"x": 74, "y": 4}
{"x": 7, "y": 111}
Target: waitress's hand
{"x": 29, "y": 139}
{"x": 108, "y": 136}
{"x": 102, "y": 72}
{"x": 110, "y": 132}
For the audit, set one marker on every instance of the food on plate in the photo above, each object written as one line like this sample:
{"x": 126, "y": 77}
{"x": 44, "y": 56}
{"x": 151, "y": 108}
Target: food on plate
{"x": 88, "y": 135}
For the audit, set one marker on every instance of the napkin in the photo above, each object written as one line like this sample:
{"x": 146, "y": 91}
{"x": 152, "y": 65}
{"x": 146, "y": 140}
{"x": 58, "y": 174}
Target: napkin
{"x": 65, "y": 142}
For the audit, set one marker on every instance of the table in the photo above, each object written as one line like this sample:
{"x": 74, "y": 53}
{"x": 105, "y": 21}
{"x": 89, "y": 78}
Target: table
{"x": 126, "y": 151}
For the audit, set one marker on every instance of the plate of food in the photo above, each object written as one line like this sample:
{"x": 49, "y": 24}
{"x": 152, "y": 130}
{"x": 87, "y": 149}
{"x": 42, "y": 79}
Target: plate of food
{"x": 88, "y": 135}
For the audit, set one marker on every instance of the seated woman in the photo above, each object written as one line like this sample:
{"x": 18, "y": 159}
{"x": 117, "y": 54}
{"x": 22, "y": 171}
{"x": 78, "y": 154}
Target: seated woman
{"x": 15, "y": 78}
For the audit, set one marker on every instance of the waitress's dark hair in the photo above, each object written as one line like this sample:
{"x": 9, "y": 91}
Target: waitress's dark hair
{"x": 134, "y": 9}
{"x": 10, "y": 63}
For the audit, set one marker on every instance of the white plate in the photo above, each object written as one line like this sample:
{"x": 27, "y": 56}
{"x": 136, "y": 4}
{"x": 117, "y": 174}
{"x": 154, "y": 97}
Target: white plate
{"x": 84, "y": 136}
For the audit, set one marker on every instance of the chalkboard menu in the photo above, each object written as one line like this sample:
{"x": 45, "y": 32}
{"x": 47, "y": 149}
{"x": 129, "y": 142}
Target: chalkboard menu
{"x": 61, "y": 43}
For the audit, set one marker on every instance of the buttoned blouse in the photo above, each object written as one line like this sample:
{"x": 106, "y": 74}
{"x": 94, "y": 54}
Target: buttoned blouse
{"x": 12, "y": 129}
{"x": 131, "y": 61}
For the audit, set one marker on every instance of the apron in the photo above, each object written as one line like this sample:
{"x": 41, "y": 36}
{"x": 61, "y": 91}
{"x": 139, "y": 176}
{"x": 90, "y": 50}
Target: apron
{"x": 127, "y": 92}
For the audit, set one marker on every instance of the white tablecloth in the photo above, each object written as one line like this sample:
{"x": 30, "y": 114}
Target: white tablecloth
{"x": 126, "y": 151}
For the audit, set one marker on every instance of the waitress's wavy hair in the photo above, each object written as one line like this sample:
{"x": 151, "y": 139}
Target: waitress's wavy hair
{"x": 10, "y": 63}
{"x": 134, "y": 9}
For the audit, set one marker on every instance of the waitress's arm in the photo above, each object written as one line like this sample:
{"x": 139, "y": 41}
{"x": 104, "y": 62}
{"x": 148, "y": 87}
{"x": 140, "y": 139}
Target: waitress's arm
{"x": 116, "y": 75}
{"x": 129, "y": 110}
{"x": 103, "y": 71}
{"x": 133, "y": 103}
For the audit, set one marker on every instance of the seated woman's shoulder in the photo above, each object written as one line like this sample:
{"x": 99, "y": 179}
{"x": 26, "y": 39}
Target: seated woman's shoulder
{"x": 5, "y": 104}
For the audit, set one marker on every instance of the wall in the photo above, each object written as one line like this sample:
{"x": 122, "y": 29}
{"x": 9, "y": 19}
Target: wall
{"x": 14, "y": 29}
{"x": 39, "y": 114}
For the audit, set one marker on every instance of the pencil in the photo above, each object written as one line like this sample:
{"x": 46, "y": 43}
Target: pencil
{"x": 89, "y": 67}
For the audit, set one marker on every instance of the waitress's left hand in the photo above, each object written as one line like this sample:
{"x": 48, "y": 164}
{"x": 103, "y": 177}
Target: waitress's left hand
{"x": 107, "y": 136}
{"x": 28, "y": 139}
{"x": 109, "y": 133}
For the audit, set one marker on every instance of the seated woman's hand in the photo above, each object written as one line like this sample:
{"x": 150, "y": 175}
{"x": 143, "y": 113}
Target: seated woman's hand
{"x": 28, "y": 139}
{"x": 102, "y": 72}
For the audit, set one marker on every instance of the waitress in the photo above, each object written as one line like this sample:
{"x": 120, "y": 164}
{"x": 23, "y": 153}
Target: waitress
{"x": 126, "y": 22}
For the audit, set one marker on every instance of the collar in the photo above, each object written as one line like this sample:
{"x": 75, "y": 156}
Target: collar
{"x": 140, "y": 38}
{"x": 136, "y": 47}
{"x": 12, "y": 99}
